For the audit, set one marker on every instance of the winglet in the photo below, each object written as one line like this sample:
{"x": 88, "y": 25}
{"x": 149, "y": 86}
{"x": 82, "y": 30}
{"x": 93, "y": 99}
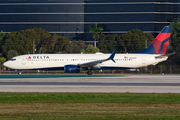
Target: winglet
{"x": 112, "y": 55}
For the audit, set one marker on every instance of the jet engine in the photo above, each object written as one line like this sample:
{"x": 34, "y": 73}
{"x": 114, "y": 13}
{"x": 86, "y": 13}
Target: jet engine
{"x": 72, "y": 69}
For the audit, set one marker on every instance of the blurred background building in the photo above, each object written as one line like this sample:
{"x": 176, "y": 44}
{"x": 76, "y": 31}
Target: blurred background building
{"x": 71, "y": 18}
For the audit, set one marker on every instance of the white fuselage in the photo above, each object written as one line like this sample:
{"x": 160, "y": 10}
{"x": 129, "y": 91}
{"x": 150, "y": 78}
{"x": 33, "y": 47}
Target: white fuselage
{"x": 57, "y": 61}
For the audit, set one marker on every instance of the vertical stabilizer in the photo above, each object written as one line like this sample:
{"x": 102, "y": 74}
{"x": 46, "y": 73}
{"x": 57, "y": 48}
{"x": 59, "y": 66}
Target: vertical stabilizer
{"x": 160, "y": 43}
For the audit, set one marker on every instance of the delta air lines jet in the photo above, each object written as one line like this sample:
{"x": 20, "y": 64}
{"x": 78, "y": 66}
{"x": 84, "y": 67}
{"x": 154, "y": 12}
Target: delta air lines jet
{"x": 74, "y": 63}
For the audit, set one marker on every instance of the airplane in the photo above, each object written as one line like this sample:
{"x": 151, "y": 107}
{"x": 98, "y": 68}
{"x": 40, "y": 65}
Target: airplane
{"x": 74, "y": 63}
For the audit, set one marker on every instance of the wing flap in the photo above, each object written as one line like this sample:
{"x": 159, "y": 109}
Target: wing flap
{"x": 91, "y": 64}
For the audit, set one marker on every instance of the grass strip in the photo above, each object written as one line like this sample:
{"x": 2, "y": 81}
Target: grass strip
{"x": 88, "y": 111}
{"x": 89, "y": 106}
{"x": 148, "y": 98}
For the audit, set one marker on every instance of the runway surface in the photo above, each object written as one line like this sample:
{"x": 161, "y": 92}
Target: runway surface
{"x": 102, "y": 83}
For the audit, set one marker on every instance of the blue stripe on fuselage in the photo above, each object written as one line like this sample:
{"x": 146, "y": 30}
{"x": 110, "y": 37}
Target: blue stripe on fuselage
{"x": 111, "y": 68}
{"x": 49, "y": 68}
{"x": 62, "y": 68}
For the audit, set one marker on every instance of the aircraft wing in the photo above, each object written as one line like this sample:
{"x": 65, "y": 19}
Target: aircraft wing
{"x": 94, "y": 63}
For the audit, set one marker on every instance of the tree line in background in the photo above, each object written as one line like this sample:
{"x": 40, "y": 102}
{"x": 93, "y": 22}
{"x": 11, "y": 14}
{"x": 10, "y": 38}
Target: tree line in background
{"x": 22, "y": 43}
{"x": 40, "y": 41}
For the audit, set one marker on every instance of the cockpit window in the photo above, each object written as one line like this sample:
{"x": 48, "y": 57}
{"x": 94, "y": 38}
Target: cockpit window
{"x": 12, "y": 59}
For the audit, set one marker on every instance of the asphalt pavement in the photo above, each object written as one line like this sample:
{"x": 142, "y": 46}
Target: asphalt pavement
{"x": 96, "y": 83}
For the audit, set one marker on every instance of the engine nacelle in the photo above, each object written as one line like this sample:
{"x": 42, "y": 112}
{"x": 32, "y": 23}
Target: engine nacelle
{"x": 72, "y": 69}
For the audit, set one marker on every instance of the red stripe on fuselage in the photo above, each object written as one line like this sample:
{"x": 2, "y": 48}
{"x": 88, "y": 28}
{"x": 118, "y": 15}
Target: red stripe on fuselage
{"x": 165, "y": 47}
{"x": 157, "y": 42}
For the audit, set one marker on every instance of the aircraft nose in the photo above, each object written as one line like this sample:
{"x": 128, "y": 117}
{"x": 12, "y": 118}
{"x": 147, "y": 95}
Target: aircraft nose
{"x": 6, "y": 64}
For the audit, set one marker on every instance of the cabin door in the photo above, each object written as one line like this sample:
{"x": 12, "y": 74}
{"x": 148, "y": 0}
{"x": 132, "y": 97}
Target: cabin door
{"x": 23, "y": 61}
{"x": 143, "y": 60}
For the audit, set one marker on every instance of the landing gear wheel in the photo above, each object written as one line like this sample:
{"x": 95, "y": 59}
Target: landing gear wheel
{"x": 89, "y": 72}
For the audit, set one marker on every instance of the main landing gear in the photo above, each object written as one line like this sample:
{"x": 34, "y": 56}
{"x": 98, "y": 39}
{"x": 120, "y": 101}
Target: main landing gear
{"x": 89, "y": 72}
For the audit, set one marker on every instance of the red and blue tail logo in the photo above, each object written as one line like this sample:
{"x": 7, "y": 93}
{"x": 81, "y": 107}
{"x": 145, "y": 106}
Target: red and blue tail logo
{"x": 160, "y": 43}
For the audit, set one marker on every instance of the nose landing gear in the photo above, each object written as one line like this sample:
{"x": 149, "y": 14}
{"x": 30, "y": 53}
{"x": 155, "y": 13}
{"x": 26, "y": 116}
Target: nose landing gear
{"x": 19, "y": 73}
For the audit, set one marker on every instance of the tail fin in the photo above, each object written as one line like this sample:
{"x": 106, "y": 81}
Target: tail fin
{"x": 160, "y": 43}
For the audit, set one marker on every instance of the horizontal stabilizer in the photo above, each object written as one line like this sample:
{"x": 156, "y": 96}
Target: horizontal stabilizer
{"x": 166, "y": 55}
